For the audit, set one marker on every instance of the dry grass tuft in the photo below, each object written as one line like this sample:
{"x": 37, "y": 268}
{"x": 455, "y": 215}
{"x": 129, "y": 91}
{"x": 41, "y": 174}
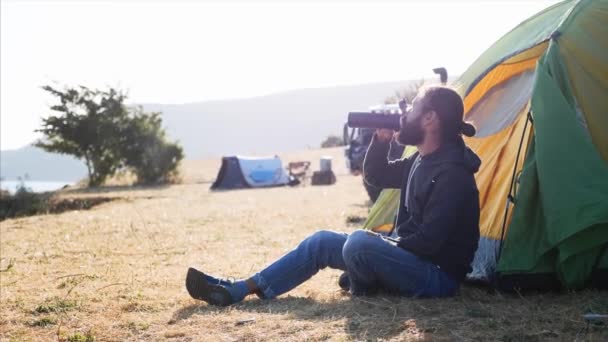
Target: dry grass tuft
{"x": 55, "y": 305}
{"x": 116, "y": 272}
{"x": 43, "y": 322}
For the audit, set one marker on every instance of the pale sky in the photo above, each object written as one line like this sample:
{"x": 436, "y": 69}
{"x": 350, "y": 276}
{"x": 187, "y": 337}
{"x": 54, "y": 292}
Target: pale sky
{"x": 177, "y": 52}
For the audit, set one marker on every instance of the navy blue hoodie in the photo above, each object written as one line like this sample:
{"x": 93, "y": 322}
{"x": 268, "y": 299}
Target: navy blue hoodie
{"x": 441, "y": 221}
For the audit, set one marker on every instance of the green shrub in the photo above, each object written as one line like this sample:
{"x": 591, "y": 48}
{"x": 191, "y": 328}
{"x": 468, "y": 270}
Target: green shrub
{"x": 147, "y": 152}
{"x": 97, "y": 127}
{"x": 27, "y": 203}
{"x": 332, "y": 141}
{"x": 23, "y": 203}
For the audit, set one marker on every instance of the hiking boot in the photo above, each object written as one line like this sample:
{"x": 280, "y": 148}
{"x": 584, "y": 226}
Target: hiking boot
{"x": 199, "y": 288}
{"x": 216, "y": 281}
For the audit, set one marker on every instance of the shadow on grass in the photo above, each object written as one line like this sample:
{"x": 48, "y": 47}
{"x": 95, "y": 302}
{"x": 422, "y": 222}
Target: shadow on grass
{"x": 475, "y": 314}
{"x": 366, "y": 205}
{"x": 378, "y": 317}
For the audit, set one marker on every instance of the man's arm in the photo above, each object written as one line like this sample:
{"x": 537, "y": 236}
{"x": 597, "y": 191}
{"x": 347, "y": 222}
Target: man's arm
{"x": 378, "y": 170}
{"x": 451, "y": 199}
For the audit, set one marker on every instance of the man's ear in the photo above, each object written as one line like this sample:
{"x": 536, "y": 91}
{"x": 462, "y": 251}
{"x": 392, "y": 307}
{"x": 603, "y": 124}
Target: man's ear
{"x": 429, "y": 117}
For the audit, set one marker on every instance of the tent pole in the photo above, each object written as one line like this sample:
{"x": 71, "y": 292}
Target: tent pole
{"x": 511, "y": 196}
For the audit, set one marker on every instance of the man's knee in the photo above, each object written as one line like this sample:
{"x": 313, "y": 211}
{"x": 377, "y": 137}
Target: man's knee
{"x": 325, "y": 239}
{"x": 357, "y": 242}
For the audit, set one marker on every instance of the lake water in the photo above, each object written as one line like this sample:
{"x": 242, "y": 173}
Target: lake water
{"x": 35, "y": 186}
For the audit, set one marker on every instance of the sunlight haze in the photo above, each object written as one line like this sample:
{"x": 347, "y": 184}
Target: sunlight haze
{"x": 178, "y": 52}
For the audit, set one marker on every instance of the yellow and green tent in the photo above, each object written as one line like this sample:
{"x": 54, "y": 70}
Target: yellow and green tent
{"x": 539, "y": 99}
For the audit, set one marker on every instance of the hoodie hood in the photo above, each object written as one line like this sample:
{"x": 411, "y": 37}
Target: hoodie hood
{"x": 455, "y": 153}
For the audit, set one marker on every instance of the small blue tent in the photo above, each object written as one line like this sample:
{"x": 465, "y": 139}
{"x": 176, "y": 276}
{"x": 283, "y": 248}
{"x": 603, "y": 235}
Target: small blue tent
{"x": 238, "y": 172}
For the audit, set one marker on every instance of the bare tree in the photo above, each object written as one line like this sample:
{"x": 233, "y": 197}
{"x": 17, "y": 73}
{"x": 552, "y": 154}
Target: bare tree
{"x": 408, "y": 92}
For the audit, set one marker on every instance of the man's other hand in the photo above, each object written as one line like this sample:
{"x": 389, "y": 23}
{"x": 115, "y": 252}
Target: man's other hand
{"x": 385, "y": 135}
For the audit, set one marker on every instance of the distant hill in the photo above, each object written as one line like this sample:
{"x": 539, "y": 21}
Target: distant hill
{"x": 40, "y": 165}
{"x": 292, "y": 120}
{"x": 269, "y": 124}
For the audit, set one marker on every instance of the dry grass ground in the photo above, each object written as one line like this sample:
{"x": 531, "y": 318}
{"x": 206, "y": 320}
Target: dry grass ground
{"x": 117, "y": 271}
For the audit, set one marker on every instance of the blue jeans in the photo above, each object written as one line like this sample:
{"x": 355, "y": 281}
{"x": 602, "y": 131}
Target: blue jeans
{"x": 373, "y": 264}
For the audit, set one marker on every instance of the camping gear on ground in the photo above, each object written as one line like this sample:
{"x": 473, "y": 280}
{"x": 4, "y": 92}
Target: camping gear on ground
{"x": 538, "y": 99}
{"x": 237, "y": 172}
{"x": 325, "y": 176}
{"x": 325, "y": 164}
{"x": 297, "y": 172}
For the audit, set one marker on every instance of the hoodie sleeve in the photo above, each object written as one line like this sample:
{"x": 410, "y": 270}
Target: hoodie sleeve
{"x": 379, "y": 171}
{"x": 449, "y": 201}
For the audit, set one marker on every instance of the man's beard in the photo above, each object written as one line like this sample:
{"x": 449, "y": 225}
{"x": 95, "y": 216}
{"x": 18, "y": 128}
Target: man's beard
{"x": 411, "y": 133}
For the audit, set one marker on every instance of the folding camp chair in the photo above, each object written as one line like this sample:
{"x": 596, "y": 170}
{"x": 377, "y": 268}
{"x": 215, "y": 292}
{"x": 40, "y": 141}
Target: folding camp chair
{"x": 298, "y": 170}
